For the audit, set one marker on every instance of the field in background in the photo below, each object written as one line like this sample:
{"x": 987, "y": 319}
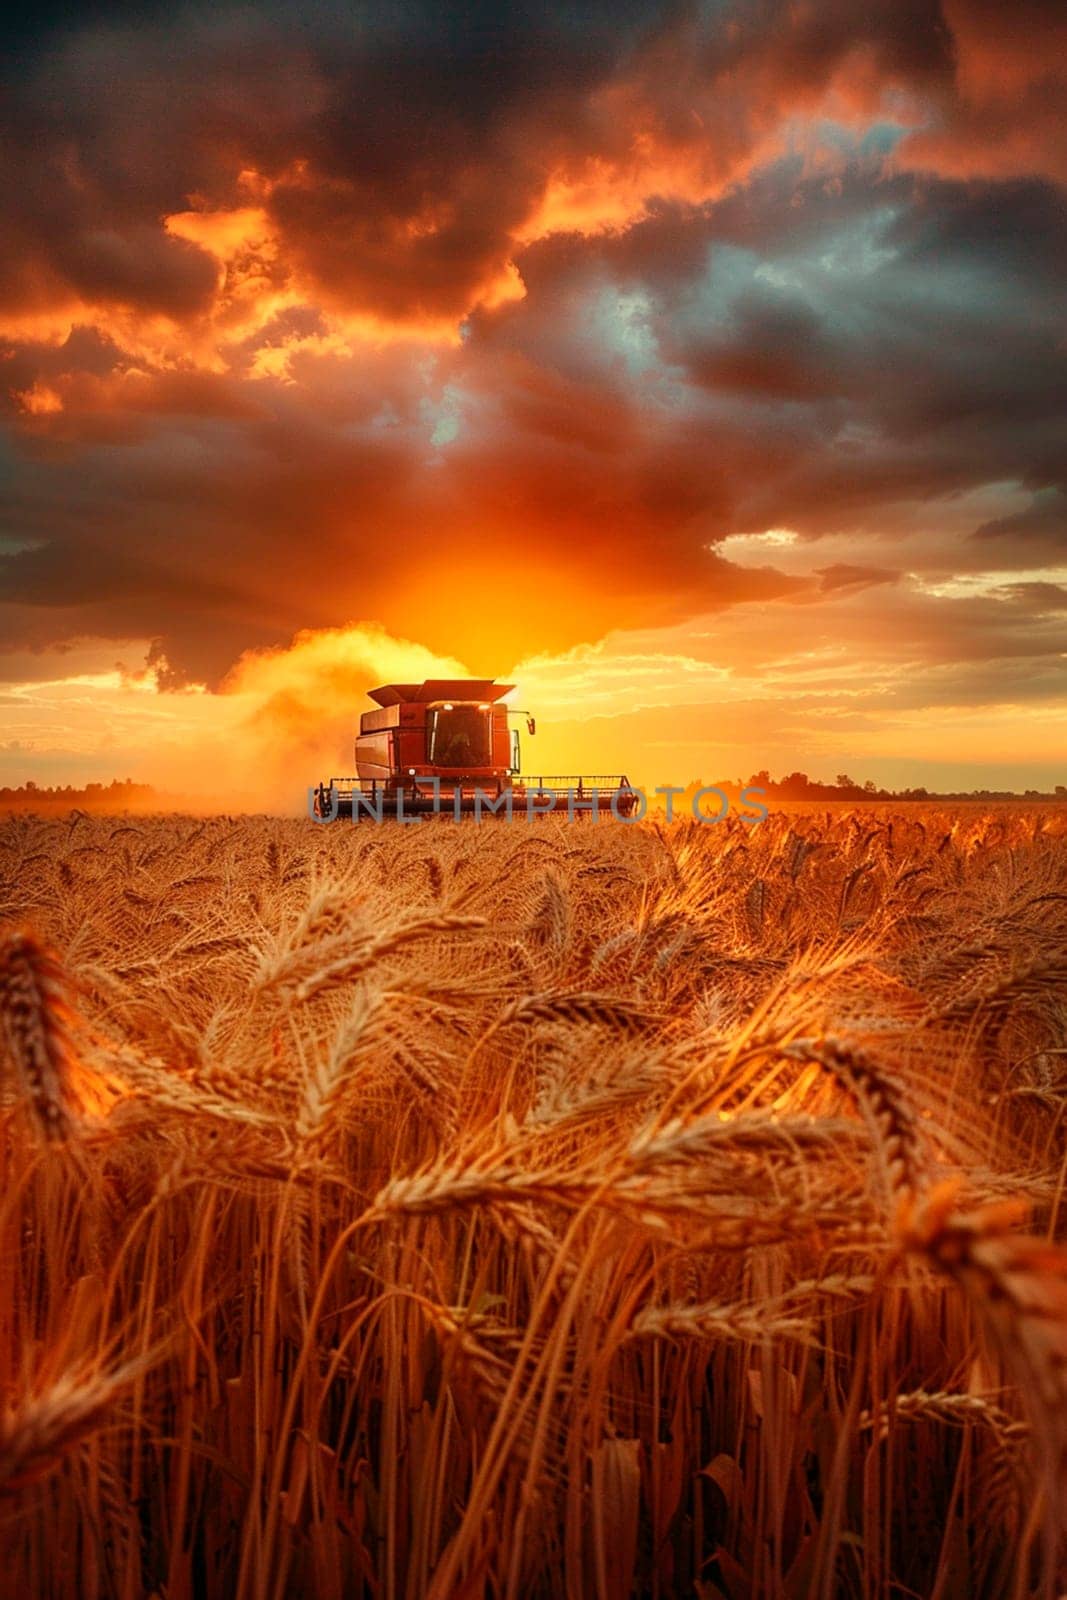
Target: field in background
{"x": 536, "y": 1210}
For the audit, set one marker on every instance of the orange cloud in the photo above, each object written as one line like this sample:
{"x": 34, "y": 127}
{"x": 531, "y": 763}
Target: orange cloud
{"x": 1008, "y": 114}
{"x": 39, "y": 401}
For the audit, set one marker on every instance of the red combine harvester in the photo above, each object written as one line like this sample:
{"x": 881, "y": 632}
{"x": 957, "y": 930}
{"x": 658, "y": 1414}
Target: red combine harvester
{"x": 445, "y": 747}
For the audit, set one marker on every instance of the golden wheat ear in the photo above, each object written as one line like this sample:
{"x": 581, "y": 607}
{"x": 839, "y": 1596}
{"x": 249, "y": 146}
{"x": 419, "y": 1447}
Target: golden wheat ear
{"x": 1018, "y": 1285}
{"x": 38, "y": 1429}
{"x": 34, "y": 1029}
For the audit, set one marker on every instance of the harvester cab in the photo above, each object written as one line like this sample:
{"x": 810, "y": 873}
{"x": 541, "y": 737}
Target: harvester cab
{"x": 446, "y": 747}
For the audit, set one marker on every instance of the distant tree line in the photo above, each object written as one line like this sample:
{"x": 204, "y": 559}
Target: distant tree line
{"x": 119, "y": 795}
{"x": 798, "y": 786}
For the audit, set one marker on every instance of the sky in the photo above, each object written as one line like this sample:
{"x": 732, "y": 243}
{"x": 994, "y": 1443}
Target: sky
{"x": 701, "y": 368}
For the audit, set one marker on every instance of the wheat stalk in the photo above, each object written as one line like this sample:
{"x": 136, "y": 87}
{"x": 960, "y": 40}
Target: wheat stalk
{"x": 881, "y": 1100}
{"x": 35, "y": 1016}
{"x": 386, "y": 944}
{"x": 38, "y": 1429}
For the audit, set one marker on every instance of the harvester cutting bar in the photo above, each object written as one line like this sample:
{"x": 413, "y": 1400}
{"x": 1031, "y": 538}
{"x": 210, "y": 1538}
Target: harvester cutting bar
{"x": 371, "y": 800}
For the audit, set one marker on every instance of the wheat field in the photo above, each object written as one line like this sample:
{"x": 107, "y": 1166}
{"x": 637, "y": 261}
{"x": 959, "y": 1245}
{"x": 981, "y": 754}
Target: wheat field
{"x": 547, "y": 1210}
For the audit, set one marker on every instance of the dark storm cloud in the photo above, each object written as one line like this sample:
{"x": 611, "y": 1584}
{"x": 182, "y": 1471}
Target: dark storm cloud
{"x": 370, "y": 126}
{"x": 846, "y": 346}
{"x": 1007, "y": 111}
{"x": 824, "y": 295}
{"x": 402, "y": 144}
{"x": 246, "y": 522}
{"x": 1043, "y": 523}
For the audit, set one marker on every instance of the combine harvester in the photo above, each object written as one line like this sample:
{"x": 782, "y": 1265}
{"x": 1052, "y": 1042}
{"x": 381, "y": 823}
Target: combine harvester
{"x": 445, "y": 748}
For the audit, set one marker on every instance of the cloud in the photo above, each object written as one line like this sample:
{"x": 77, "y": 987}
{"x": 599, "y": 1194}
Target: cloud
{"x": 509, "y": 329}
{"x": 1006, "y": 113}
{"x": 841, "y": 576}
{"x": 1043, "y": 523}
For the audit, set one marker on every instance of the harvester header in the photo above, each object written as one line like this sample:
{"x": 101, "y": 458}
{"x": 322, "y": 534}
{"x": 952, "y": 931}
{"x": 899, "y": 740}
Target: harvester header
{"x": 445, "y": 747}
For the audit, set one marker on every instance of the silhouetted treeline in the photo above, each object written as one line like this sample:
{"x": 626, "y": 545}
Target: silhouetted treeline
{"x": 119, "y": 795}
{"x": 798, "y": 786}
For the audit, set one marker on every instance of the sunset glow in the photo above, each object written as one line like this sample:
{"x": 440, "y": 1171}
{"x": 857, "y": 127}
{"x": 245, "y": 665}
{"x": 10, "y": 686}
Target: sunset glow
{"x": 704, "y": 373}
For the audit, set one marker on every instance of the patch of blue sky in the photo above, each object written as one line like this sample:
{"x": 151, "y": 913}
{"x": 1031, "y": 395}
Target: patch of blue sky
{"x": 622, "y": 325}
{"x": 877, "y": 141}
{"x": 442, "y": 416}
{"x": 858, "y": 279}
